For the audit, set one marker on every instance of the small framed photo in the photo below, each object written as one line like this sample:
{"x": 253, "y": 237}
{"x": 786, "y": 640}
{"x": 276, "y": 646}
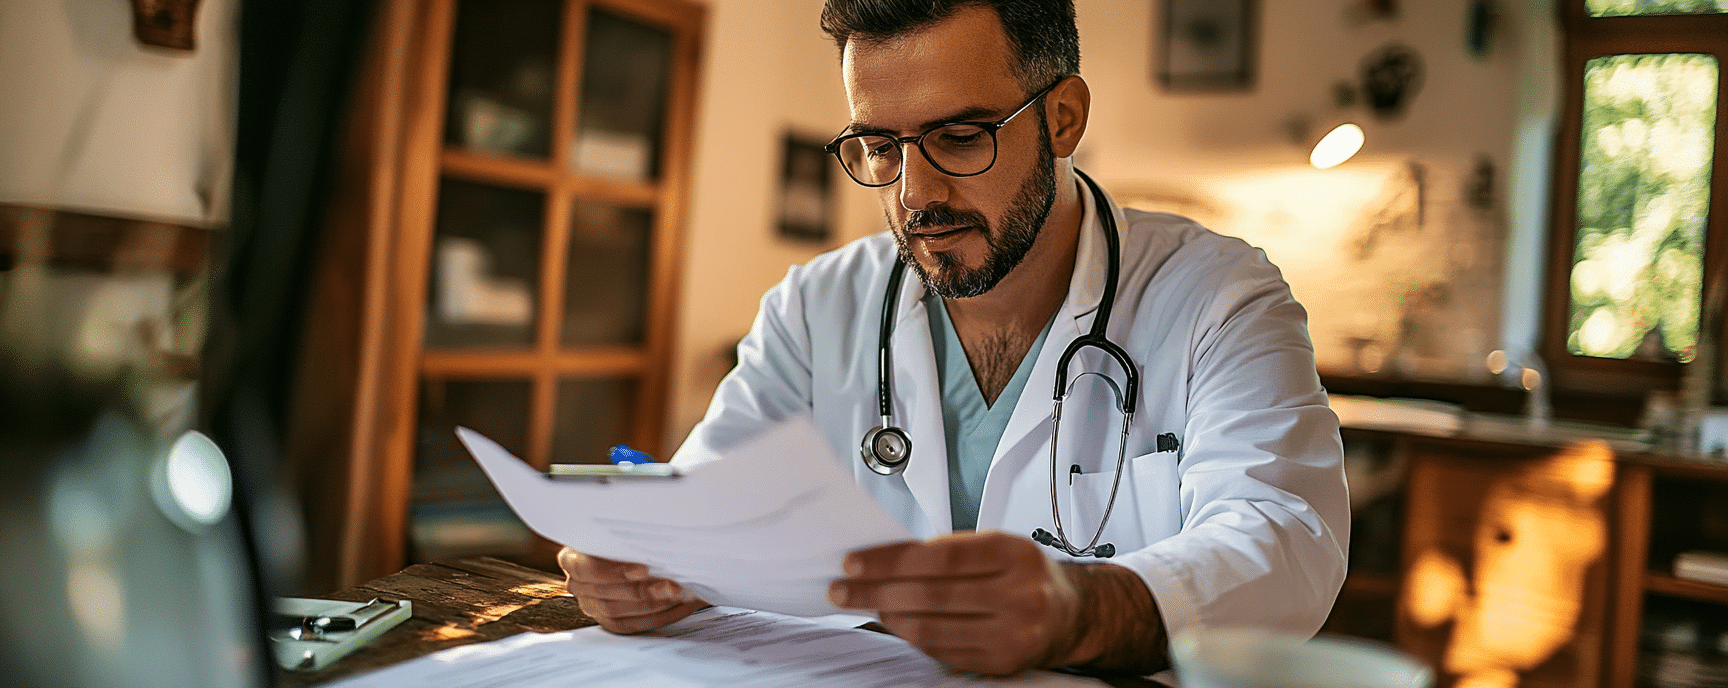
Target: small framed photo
{"x": 806, "y": 199}
{"x": 1208, "y": 45}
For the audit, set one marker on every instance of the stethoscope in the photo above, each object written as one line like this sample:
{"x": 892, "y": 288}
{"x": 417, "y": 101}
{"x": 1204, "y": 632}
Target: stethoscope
{"x": 886, "y": 448}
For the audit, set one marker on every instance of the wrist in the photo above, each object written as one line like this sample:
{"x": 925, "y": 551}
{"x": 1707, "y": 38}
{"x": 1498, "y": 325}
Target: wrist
{"x": 1113, "y": 625}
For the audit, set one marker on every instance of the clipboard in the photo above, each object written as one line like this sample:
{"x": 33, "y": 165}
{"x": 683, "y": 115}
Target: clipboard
{"x": 604, "y": 473}
{"x": 309, "y": 634}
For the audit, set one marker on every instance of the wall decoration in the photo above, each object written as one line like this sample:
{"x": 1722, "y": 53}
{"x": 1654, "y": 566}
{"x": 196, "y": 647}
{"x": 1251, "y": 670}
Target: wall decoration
{"x": 1208, "y": 45}
{"x": 165, "y": 23}
{"x": 806, "y": 204}
{"x": 1479, "y": 27}
{"x": 1391, "y": 76}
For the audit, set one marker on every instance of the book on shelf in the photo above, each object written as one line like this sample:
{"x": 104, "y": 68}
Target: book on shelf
{"x": 1701, "y": 565}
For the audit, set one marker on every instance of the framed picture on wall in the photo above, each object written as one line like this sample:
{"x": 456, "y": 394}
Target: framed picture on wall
{"x": 1208, "y": 45}
{"x": 806, "y": 200}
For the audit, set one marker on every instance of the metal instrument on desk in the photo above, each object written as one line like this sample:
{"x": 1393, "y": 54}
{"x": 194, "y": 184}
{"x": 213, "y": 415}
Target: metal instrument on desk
{"x": 309, "y": 634}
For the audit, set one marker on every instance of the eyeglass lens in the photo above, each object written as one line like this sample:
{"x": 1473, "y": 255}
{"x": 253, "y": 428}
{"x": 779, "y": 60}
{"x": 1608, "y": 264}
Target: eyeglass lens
{"x": 956, "y": 149}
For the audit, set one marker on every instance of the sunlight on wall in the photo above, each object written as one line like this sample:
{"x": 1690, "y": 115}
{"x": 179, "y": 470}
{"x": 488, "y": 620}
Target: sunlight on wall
{"x": 1399, "y": 273}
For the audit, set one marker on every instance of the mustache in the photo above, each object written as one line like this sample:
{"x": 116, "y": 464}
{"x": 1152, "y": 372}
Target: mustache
{"x": 943, "y": 216}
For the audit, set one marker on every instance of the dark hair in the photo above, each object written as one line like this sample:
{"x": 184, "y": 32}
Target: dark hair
{"x": 1041, "y": 32}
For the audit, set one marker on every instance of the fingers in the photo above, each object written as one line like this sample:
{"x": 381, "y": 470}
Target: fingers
{"x": 621, "y": 596}
{"x": 626, "y": 625}
{"x": 951, "y": 596}
{"x": 960, "y": 554}
{"x": 995, "y": 646}
{"x": 991, "y": 603}
{"x": 587, "y": 567}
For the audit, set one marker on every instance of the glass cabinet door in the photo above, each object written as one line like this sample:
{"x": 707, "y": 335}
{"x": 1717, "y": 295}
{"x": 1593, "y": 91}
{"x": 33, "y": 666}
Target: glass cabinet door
{"x": 485, "y": 267}
{"x": 502, "y": 77}
{"x": 456, "y": 511}
{"x": 606, "y": 286}
{"x": 626, "y": 70}
{"x": 592, "y": 416}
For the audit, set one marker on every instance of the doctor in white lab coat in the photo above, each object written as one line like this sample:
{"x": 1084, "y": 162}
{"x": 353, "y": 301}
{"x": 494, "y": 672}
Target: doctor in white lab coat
{"x": 1238, "y": 516}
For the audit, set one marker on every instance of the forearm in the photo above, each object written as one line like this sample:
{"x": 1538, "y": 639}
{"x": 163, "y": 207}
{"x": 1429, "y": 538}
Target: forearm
{"x": 1118, "y": 629}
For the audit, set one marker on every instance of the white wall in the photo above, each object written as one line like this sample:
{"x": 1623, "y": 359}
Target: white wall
{"x": 92, "y": 119}
{"x": 1224, "y": 158}
{"x": 1416, "y": 299}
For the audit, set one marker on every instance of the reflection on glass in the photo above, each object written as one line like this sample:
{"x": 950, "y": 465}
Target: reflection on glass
{"x": 485, "y": 265}
{"x": 501, "y": 76}
{"x": 456, "y": 511}
{"x": 1629, "y": 8}
{"x": 592, "y": 416}
{"x": 626, "y": 70}
{"x": 606, "y": 288}
{"x": 1643, "y": 197}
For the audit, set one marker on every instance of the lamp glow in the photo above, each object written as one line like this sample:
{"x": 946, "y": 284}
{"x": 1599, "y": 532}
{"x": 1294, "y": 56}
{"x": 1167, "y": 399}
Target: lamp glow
{"x": 1337, "y": 146}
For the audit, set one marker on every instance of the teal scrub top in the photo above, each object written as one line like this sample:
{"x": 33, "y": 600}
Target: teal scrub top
{"x": 971, "y": 427}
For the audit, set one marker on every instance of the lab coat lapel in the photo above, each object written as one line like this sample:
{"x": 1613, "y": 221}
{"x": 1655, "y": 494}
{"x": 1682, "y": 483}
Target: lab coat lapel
{"x": 1033, "y": 410}
{"x": 918, "y": 390}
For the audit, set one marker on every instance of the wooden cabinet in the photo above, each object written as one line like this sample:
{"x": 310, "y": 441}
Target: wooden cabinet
{"x": 520, "y": 172}
{"x": 1668, "y": 507}
{"x": 1504, "y": 561}
{"x": 1534, "y": 564}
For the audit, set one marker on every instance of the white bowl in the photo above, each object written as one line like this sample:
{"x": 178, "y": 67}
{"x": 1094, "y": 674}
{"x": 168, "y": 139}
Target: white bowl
{"x": 1255, "y": 658}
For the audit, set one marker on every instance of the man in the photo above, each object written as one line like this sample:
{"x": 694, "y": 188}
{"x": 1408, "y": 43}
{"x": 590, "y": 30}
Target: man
{"x": 1232, "y": 509}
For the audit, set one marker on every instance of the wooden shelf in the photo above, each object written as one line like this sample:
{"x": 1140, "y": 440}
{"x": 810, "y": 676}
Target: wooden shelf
{"x": 1665, "y": 584}
{"x": 506, "y": 363}
{"x": 542, "y": 174}
{"x": 103, "y": 243}
{"x": 1378, "y": 584}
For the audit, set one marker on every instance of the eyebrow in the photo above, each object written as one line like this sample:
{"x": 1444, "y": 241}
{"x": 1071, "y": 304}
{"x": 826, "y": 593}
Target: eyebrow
{"x": 971, "y": 114}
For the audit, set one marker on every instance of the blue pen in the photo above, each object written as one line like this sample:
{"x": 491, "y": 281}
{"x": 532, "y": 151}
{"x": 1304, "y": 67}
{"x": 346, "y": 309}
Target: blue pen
{"x": 625, "y": 456}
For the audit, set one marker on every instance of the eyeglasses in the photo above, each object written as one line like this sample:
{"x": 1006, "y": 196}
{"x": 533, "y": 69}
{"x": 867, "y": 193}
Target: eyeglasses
{"x": 957, "y": 149}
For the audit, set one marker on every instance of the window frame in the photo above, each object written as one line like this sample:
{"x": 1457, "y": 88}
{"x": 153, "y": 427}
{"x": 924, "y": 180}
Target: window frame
{"x": 1585, "y": 37}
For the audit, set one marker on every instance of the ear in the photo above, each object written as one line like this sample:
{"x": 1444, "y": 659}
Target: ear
{"x": 1066, "y": 109}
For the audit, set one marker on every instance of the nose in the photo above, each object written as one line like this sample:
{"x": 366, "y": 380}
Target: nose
{"x": 921, "y": 184}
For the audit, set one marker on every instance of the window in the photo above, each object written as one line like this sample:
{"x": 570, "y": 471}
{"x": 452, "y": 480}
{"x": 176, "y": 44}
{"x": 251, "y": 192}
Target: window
{"x": 1639, "y": 231}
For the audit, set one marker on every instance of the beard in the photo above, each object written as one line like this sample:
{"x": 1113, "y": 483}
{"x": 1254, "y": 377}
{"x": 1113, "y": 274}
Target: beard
{"x": 1006, "y": 244}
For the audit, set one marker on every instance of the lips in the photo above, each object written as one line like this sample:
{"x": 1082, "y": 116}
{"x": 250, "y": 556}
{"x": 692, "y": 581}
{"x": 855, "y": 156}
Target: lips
{"x": 938, "y": 233}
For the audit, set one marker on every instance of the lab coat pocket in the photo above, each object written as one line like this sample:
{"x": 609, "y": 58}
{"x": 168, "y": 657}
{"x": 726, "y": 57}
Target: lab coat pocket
{"x": 1146, "y": 507}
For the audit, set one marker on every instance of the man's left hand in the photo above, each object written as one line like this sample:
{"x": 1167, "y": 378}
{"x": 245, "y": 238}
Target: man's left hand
{"x": 985, "y": 602}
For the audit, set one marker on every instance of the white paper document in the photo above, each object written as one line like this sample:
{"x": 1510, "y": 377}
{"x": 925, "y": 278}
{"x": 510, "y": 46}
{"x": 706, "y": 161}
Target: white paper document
{"x": 718, "y": 646}
{"x": 765, "y": 528}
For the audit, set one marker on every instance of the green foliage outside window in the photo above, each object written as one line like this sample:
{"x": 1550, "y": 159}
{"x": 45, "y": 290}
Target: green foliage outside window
{"x": 1643, "y": 197}
{"x": 1630, "y": 8}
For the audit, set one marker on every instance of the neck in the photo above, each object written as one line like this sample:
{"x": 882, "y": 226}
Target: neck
{"x": 1031, "y": 293}
{"x": 997, "y": 328}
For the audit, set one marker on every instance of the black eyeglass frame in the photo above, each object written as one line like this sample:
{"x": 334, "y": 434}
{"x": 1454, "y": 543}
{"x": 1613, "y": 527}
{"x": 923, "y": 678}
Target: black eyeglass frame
{"x": 833, "y": 147}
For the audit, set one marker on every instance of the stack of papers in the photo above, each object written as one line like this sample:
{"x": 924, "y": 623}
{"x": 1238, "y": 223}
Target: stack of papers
{"x": 717, "y": 646}
{"x": 766, "y": 528}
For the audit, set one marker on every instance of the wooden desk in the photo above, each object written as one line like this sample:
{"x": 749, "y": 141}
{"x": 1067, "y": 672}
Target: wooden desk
{"x": 471, "y": 601}
{"x": 455, "y": 603}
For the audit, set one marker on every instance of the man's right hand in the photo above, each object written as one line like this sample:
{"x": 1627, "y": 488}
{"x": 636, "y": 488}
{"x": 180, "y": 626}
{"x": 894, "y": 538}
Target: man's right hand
{"x": 622, "y": 596}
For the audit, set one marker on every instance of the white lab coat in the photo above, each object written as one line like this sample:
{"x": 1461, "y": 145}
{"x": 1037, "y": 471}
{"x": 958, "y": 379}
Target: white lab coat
{"x": 1245, "y": 524}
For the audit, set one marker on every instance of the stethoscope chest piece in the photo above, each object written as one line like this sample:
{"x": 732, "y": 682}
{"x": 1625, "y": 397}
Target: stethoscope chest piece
{"x": 885, "y": 449}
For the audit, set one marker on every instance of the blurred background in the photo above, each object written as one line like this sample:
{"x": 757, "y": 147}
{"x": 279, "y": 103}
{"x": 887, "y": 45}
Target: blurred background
{"x": 318, "y": 235}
